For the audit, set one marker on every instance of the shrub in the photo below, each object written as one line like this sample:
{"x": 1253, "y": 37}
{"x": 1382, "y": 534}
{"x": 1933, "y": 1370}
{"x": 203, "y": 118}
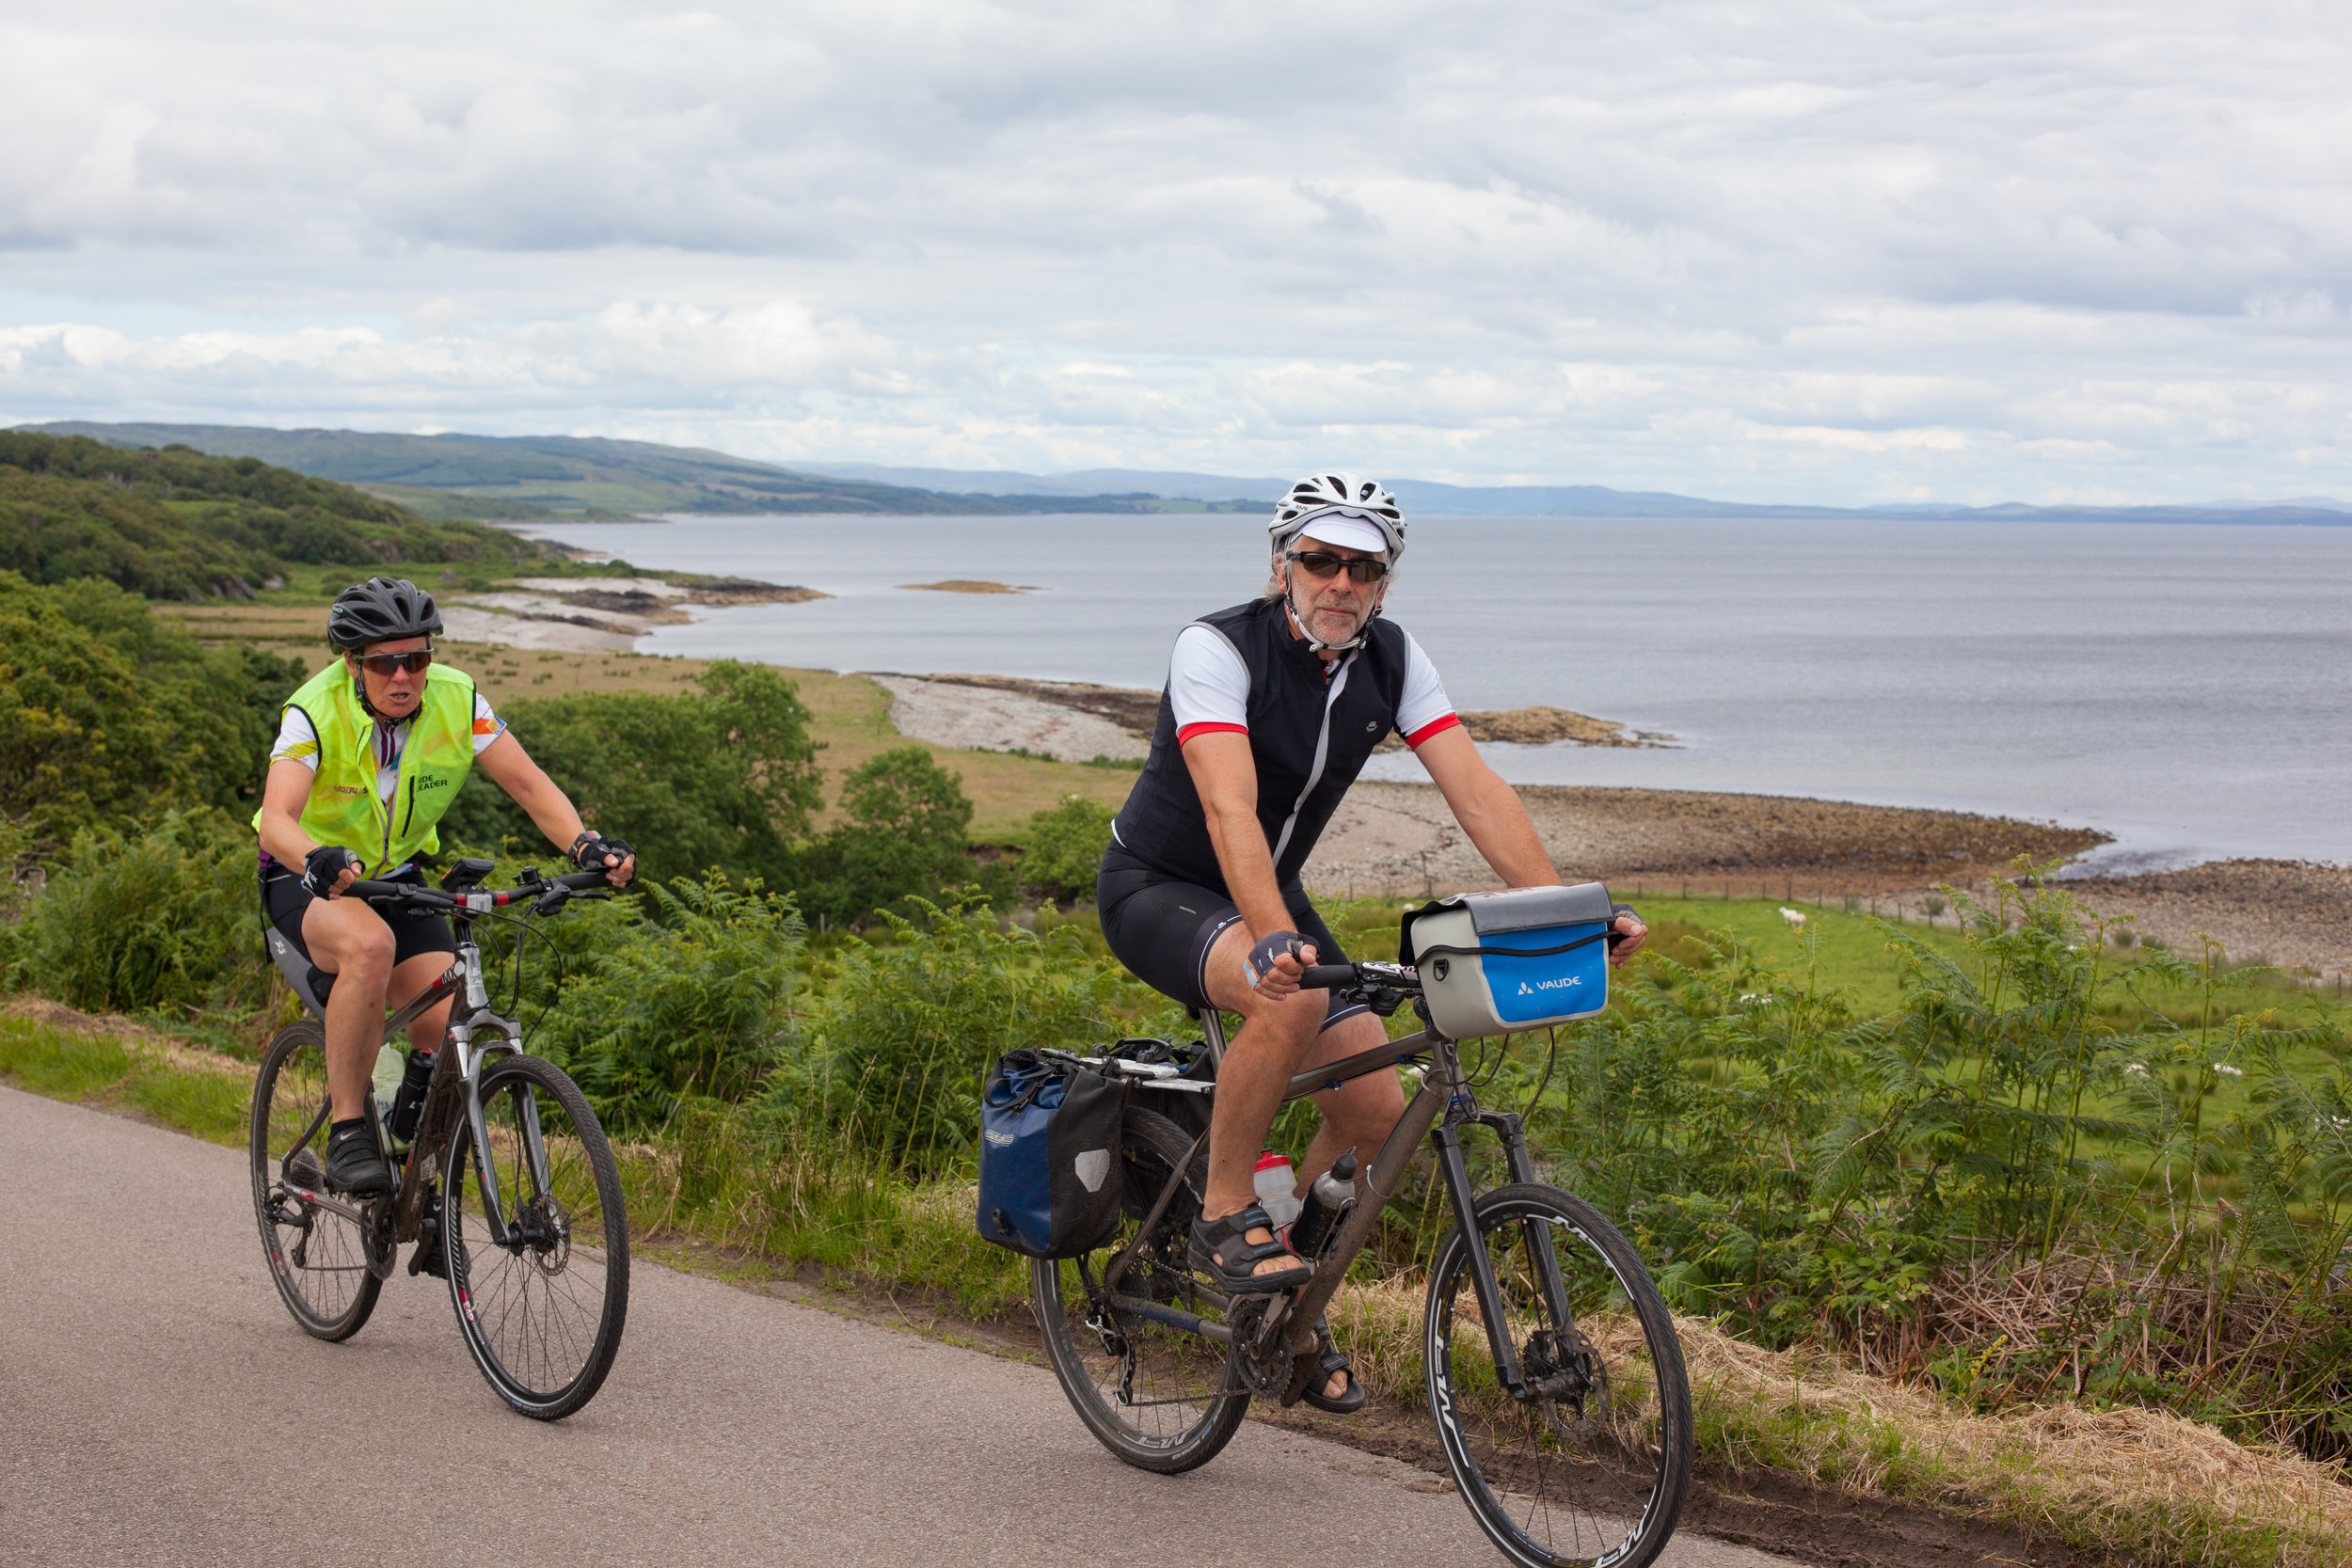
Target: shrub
{"x": 164, "y": 918}
{"x": 80, "y": 735}
{"x": 904, "y": 835}
{"x": 721, "y": 778}
{"x": 900, "y": 1040}
{"x": 697, "y": 1004}
{"x": 1066, "y": 846}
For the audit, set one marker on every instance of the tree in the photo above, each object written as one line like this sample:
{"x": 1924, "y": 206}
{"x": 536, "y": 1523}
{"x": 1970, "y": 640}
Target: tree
{"x": 80, "y": 737}
{"x": 904, "y": 835}
{"x": 724, "y": 777}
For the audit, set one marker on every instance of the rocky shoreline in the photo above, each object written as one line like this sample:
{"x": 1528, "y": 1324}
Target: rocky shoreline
{"x": 1400, "y": 838}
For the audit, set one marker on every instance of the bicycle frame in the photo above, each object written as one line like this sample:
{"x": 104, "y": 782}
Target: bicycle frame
{"x": 452, "y": 1090}
{"x": 1444, "y": 1104}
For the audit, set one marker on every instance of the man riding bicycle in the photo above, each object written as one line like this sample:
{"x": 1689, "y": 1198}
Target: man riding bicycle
{"x": 371, "y": 752}
{"x": 1273, "y": 707}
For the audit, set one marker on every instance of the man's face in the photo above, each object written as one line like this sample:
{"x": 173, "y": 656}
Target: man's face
{"x": 1334, "y": 608}
{"x": 395, "y": 694}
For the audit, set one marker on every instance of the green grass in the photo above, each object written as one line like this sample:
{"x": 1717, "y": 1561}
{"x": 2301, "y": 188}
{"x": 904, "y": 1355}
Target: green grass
{"x": 88, "y": 1069}
{"x": 713, "y": 1180}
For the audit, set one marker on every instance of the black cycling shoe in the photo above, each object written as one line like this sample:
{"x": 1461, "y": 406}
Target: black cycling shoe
{"x": 354, "y": 1164}
{"x": 1222, "y": 1250}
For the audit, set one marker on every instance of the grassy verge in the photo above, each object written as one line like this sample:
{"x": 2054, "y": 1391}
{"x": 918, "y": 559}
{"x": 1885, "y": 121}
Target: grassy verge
{"x": 2129, "y": 1485}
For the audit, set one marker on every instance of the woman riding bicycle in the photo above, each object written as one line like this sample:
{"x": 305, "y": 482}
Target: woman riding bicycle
{"x": 371, "y": 750}
{"x": 1271, "y": 709}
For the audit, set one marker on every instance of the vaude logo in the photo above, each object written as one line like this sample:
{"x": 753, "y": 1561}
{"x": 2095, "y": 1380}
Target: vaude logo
{"x": 1002, "y": 1140}
{"x": 1526, "y": 989}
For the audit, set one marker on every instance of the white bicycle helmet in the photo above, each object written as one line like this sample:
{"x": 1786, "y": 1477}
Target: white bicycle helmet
{"x": 1360, "y": 499}
{"x": 1319, "y": 494}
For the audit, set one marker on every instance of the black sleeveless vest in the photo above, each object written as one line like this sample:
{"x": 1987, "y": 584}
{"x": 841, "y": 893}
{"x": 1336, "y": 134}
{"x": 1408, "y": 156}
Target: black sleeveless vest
{"x": 1309, "y": 737}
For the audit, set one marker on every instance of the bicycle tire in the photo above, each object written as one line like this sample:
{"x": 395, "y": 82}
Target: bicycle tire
{"x": 521, "y": 1306}
{"x": 1188, "y": 1409}
{"x": 1596, "y": 1480}
{"x": 317, "y": 1258}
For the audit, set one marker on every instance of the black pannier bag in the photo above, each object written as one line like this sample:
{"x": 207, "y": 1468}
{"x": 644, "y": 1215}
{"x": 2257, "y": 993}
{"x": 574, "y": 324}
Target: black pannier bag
{"x": 1050, "y": 1172}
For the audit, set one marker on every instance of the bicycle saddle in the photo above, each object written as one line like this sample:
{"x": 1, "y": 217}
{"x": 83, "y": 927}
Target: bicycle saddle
{"x": 311, "y": 984}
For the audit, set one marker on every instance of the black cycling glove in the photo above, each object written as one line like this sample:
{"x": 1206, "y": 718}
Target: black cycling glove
{"x": 589, "y": 853}
{"x": 1260, "y": 962}
{"x": 323, "y": 866}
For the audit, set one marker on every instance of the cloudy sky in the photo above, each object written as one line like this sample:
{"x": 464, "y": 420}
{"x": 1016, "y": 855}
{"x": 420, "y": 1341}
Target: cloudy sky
{"x": 1930, "y": 249}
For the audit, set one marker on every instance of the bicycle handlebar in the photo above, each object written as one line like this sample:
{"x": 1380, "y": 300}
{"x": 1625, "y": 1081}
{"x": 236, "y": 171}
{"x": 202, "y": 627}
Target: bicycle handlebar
{"x": 1326, "y": 977}
{"x": 544, "y": 896}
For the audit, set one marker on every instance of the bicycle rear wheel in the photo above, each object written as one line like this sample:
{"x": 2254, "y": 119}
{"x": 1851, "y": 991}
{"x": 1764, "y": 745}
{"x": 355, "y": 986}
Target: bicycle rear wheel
{"x": 1154, "y": 1393}
{"x": 1593, "y": 1470}
{"x": 317, "y": 1257}
{"x": 541, "y": 1303}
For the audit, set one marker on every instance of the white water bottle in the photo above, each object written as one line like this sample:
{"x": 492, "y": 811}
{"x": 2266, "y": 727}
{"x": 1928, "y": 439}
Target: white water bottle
{"x": 1276, "y": 1182}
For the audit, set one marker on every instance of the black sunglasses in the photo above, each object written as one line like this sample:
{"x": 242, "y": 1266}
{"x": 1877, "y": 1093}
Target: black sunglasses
{"x": 388, "y": 665}
{"x": 1323, "y": 563}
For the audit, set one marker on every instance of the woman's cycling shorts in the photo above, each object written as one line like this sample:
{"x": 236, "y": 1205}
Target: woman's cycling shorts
{"x": 286, "y": 900}
{"x": 1162, "y": 928}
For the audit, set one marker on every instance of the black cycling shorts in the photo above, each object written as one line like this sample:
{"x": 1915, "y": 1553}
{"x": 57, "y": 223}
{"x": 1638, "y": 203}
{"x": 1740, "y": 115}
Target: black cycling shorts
{"x": 285, "y": 900}
{"x": 1162, "y": 928}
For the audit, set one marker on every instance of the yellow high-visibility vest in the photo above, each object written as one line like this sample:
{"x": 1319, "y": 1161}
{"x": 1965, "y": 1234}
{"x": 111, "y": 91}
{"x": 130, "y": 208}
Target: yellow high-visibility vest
{"x": 344, "y": 808}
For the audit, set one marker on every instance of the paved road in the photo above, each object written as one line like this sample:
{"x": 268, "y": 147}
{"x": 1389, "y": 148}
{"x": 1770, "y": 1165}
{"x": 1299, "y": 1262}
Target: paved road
{"x": 157, "y": 1405}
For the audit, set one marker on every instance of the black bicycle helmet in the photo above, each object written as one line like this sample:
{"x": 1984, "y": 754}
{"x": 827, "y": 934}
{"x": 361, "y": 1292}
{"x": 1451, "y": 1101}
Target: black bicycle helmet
{"x": 381, "y": 610}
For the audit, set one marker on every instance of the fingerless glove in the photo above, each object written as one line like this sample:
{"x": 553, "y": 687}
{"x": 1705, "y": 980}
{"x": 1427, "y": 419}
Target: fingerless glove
{"x": 322, "y": 865}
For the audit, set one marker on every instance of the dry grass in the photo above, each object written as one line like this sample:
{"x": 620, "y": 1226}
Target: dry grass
{"x": 122, "y": 1032}
{"x": 2136, "y": 1485}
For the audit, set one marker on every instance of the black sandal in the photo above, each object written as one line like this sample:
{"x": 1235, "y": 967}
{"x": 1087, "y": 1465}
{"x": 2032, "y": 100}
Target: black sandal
{"x": 1221, "y": 1249}
{"x": 1348, "y": 1403}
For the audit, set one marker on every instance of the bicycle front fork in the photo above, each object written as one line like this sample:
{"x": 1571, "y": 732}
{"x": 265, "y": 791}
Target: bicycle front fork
{"x": 1542, "y": 1259}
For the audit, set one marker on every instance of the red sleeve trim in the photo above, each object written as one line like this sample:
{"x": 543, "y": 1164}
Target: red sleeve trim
{"x": 1434, "y": 726}
{"x": 1186, "y": 735}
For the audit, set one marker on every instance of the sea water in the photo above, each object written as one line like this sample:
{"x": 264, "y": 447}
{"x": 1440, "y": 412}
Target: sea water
{"x": 2186, "y": 688}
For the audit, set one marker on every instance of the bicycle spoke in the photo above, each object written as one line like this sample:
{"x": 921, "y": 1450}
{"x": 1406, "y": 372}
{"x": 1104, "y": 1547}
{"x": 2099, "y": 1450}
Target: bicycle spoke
{"x": 1590, "y": 1466}
{"x": 542, "y": 1322}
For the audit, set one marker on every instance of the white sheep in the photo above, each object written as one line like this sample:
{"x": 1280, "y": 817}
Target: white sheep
{"x": 1794, "y": 917}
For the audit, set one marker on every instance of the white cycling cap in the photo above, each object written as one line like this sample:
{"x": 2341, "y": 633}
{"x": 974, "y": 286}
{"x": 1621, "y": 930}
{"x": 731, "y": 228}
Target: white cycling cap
{"x": 1348, "y": 530}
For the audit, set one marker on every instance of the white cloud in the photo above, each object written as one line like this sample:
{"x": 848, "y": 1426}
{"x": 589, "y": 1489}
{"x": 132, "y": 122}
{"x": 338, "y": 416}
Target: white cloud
{"x": 1811, "y": 251}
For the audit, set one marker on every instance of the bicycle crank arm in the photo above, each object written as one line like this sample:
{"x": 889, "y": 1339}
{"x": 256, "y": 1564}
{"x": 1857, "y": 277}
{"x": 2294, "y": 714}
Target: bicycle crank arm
{"x": 1191, "y": 1323}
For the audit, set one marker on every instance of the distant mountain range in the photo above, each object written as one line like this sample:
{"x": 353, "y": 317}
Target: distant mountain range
{"x": 514, "y": 479}
{"x": 519, "y": 478}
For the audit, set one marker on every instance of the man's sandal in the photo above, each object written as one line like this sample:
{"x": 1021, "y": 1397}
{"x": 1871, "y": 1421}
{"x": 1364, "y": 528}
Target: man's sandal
{"x": 1222, "y": 1250}
{"x": 1330, "y": 1364}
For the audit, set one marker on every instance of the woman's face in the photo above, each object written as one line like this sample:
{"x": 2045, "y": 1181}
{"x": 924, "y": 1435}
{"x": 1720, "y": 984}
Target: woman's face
{"x": 393, "y": 692}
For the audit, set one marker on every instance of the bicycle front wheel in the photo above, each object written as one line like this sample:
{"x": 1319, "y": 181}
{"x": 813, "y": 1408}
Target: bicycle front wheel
{"x": 1152, "y": 1390}
{"x": 535, "y": 1238}
{"x": 318, "y": 1257}
{"x": 1591, "y": 1468}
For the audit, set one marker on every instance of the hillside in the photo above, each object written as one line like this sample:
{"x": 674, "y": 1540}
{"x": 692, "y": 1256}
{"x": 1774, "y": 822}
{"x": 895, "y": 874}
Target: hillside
{"x": 175, "y": 524}
{"x": 519, "y": 477}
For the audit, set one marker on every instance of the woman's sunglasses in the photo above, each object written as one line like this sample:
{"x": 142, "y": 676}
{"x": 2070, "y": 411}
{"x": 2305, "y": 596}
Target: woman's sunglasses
{"x": 388, "y": 665}
{"x": 1323, "y": 563}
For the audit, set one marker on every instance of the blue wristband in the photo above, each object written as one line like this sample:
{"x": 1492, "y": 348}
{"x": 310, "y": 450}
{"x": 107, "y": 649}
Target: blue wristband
{"x": 1259, "y": 963}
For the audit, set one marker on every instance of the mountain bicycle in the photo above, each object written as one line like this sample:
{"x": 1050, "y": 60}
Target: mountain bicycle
{"x": 1553, "y": 1373}
{"x": 508, "y": 1188}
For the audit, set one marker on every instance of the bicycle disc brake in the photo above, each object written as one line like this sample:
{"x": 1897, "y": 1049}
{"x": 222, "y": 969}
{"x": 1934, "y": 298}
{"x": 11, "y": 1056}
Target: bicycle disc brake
{"x": 1255, "y": 1358}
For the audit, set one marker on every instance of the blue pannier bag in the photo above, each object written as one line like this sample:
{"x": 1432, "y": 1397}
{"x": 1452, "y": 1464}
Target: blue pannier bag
{"x": 1050, "y": 1172}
